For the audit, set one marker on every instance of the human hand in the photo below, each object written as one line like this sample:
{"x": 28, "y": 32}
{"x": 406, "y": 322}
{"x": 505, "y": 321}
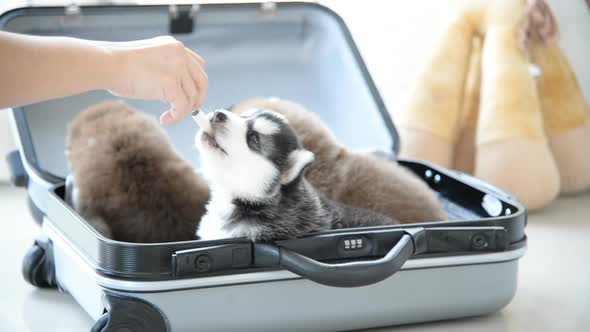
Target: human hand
{"x": 160, "y": 68}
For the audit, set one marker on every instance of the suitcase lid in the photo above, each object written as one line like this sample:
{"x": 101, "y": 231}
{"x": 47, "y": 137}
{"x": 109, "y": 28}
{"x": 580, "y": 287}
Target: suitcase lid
{"x": 297, "y": 51}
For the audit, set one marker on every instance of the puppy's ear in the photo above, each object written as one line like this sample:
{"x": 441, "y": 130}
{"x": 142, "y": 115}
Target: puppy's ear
{"x": 298, "y": 160}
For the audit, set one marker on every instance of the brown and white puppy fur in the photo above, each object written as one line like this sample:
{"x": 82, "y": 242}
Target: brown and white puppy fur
{"x": 356, "y": 179}
{"x": 130, "y": 183}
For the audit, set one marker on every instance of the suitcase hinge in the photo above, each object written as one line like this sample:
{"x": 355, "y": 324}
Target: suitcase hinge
{"x": 72, "y": 15}
{"x": 268, "y": 9}
{"x": 18, "y": 174}
{"x": 182, "y": 18}
{"x": 268, "y": 6}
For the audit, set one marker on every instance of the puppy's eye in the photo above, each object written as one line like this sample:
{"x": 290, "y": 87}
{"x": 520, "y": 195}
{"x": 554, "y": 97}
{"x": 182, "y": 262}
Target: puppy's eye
{"x": 253, "y": 138}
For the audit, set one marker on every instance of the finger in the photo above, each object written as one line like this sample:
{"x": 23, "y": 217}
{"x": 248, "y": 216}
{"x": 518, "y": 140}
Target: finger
{"x": 166, "y": 118}
{"x": 179, "y": 106}
{"x": 190, "y": 90}
{"x": 195, "y": 56}
{"x": 185, "y": 105}
{"x": 201, "y": 80}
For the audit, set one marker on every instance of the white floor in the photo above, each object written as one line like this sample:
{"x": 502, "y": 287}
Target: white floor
{"x": 553, "y": 292}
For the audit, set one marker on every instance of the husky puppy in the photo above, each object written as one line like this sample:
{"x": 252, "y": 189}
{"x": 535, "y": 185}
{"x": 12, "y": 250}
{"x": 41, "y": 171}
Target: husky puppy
{"x": 129, "y": 183}
{"x": 357, "y": 179}
{"x": 254, "y": 164}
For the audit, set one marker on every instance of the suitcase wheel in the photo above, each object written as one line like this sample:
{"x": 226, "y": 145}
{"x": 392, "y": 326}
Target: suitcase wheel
{"x": 100, "y": 324}
{"x": 131, "y": 315}
{"x": 38, "y": 268}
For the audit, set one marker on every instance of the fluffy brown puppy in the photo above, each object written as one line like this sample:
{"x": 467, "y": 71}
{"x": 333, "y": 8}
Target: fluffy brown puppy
{"x": 130, "y": 183}
{"x": 357, "y": 179}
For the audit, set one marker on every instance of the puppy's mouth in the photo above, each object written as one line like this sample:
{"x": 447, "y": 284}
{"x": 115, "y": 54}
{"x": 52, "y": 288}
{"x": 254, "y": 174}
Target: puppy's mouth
{"x": 210, "y": 141}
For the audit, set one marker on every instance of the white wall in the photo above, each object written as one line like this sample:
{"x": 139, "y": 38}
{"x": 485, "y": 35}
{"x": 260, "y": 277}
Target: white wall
{"x": 396, "y": 36}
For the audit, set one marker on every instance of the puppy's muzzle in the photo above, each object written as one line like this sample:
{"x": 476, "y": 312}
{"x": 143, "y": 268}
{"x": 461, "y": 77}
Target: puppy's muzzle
{"x": 218, "y": 117}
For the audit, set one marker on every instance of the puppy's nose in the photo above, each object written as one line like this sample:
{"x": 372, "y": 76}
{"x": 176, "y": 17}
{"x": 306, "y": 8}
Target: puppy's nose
{"x": 218, "y": 117}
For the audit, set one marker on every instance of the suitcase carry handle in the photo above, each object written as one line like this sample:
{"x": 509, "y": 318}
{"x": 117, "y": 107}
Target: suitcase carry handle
{"x": 350, "y": 274}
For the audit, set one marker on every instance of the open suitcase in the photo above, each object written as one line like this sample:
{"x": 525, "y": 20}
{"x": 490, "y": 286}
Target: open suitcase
{"x": 463, "y": 267}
